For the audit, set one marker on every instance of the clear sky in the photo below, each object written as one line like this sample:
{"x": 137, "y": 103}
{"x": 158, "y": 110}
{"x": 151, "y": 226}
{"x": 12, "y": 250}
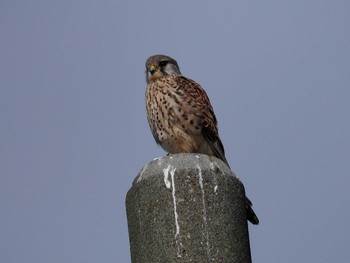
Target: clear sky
{"x": 74, "y": 134}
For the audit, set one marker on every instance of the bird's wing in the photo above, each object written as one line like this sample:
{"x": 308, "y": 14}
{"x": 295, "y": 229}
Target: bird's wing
{"x": 198, "y": 103}
{"x": 215, "y": 144}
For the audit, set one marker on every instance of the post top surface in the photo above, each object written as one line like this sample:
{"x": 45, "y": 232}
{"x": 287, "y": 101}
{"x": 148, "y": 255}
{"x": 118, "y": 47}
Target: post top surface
{"x": 182, "y": 161}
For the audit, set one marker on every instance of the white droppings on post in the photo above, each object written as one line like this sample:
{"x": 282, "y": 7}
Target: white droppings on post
{"x": 170, "y": 169}
{"x": 205, "y": 219}
{"x": 166, "y": 176}
{"x": 172, "y": 173}
{"x": 214, "y": 167}
{"x": 141, "y": 173}
{"x": 216, "y": 189}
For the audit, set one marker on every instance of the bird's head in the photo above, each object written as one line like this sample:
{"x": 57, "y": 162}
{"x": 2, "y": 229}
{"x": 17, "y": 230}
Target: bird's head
{"x": 159, "y": 66}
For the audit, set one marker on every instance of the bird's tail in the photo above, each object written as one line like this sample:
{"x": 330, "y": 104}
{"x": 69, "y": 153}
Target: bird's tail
{"x": 251, "y": 216}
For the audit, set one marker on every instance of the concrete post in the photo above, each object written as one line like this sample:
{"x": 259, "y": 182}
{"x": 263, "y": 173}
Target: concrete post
{"x": 187, "y": 208}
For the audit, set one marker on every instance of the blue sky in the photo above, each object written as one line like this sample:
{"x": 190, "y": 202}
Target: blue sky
{"x": 74, "y": 134}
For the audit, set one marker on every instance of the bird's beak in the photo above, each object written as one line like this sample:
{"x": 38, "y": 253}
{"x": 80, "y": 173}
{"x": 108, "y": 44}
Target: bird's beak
{"x": 152, "y": 69}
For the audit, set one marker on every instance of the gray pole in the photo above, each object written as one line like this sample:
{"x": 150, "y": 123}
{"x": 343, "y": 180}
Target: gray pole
{"x": 187, "y": 208}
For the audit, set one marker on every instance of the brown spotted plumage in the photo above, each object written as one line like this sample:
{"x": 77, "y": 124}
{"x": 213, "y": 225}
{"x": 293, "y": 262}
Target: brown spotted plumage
{"x": 180, "y": 114}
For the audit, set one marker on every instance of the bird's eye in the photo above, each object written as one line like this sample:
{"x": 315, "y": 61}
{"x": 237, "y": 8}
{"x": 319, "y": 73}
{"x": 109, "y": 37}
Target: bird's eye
{"x": 163, "y": 63}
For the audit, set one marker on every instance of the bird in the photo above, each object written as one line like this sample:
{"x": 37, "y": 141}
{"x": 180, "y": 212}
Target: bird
{"x": 180, "y": 114}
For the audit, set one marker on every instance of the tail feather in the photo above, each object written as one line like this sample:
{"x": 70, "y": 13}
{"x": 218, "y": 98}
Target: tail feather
{"x": 251, "y": 216}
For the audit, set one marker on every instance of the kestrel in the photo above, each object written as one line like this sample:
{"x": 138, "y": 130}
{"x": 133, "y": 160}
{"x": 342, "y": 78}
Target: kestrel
{"x": 180, "y": 114}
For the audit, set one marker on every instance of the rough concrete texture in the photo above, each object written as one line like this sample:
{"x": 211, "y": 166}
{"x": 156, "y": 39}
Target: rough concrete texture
{"x": 187, "y": 208}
